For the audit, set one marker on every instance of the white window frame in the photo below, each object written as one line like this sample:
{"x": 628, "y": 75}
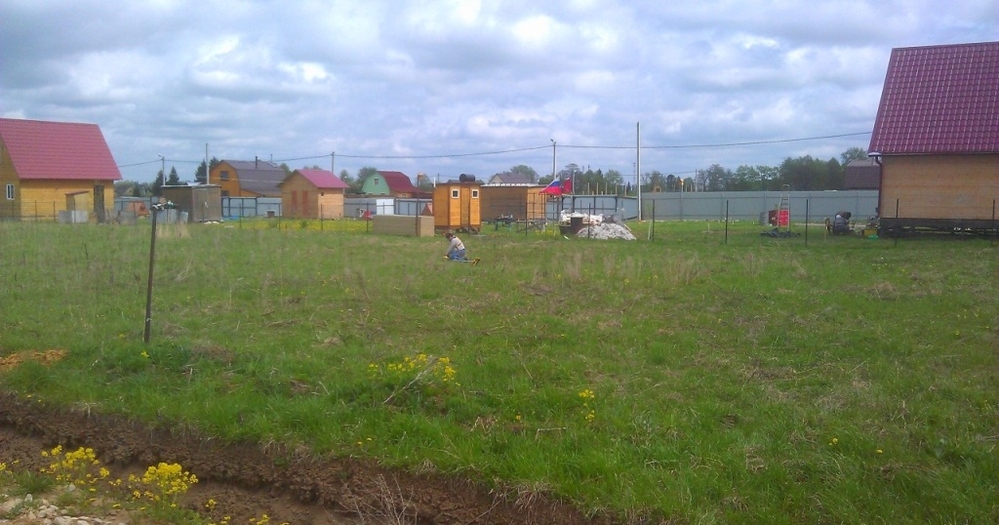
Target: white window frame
{"x": 454, "y": 194}
{"x": 10, "y": 192}
{"x": 475, "y": 194}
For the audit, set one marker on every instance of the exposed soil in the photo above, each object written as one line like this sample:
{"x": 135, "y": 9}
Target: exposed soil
{"x": 293, "y": 486}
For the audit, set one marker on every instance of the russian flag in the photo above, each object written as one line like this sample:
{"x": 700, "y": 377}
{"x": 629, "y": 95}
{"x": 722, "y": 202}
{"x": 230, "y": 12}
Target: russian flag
{"x": 553, "y": 188}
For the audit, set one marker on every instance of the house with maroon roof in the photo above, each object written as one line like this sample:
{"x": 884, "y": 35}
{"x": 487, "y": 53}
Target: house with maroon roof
{"x": 312, "y": 194}
{"x": 394, "y": 183}
{"x": 862, "y": 174}
{"x": 936, "y": 138}
{"x": 48, "y": 167}
{"x": 248, "y": 178}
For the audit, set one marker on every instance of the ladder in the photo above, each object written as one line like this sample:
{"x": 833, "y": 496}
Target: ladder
{"x": 784, "y": 209}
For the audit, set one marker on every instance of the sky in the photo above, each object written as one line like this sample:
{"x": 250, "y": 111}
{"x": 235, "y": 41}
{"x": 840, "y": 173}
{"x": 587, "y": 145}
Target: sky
{"x": 446, "y": 87}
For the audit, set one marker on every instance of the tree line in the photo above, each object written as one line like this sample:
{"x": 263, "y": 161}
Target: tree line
{"x": 800, "y": 174}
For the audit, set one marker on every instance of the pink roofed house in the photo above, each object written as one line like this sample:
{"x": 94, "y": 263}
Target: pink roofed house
{"x": 936, "y": 137}
{"x": 48, "y": 167}
{"x": 312, "y": 194}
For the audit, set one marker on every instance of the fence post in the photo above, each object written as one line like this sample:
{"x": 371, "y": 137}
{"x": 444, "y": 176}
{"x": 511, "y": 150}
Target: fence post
{"x": 726, "y": 223}
{"x": 806, "y": 221}
{"x": 896, "y": 221}
{"x": 652, "y": 227}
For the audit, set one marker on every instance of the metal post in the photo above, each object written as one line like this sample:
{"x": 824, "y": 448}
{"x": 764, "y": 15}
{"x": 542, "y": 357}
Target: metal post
{"x": 149, "y": 284}
{"x": 638, "y": 165}
{"x": 806, "y": 221}
{"x": 726, "y": 222}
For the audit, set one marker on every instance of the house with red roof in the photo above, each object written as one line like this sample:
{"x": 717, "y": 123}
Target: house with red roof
{"x": 936, "y": 138}
{"x": 248, "y": 178}
{"x": 394, "y": 183}
{"x": 312, "y": 194}
{"x": 48, "y": 167}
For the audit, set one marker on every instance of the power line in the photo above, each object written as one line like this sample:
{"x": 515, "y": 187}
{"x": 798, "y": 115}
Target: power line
{"x": 544, "y": 147}
{"x": 727, "y": 144}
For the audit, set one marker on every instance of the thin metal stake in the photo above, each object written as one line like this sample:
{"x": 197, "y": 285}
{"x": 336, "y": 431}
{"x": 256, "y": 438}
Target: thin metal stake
{"x": 149, "y": 285}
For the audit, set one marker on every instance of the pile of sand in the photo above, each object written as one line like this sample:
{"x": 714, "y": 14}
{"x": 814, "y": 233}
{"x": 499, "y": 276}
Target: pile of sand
{"x": 607, "y": 230}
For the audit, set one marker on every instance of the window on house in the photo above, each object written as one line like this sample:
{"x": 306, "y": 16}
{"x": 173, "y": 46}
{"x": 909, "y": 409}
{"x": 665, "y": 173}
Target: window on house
{"x": 475, "y": 194}
{"x": 10, "y": 192}
{"x": 454, "y": 194}
{"x": 225, "y": 175}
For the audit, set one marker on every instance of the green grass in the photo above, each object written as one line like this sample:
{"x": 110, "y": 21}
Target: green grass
{"x": 756, "y": 380}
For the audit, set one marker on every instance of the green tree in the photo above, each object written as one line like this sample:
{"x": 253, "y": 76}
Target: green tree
{"x": 173, "y": 179}
{"x": 653, "y": 181}
{"x": 526, "y": 171}
{"x": 716, "y": 178}
{"x": 807, "y": 173}
{"x": 346, "y": 177}
{"x": 852, "y": 154}
{"x": 158, "y": 184}
{"x": 199, "y": 174}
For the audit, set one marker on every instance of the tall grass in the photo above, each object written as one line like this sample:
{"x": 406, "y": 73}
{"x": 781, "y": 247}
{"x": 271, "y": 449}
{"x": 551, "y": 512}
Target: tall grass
{"x": 756, "y": 380}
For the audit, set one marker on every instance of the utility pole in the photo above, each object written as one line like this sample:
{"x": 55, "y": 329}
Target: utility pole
{"x": 638, "y": 165}
{"x": 553, "y": 158}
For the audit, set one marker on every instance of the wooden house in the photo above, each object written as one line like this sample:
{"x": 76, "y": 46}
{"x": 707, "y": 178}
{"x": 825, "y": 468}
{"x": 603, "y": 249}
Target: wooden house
{"x": 393, "y": 183}
{"x": 936, "y": 137}
{"x": 312, "y": 194}
{"x": 517, "y": 201}
{"x": 862, "y": 174}
{"x": 457, "y": 206}
{"x": 52, "y": 167}
{"x": 511, "y": 178}
{"x": 253, "y": 178}
{"x": 201, "y": 202}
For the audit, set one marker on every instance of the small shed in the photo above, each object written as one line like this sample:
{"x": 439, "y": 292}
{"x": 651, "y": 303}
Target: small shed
{"x": 457, "y": 205}
{"x": 312, "y": 194}
{"x": 203, "y": 202}
{"x": 519, "y": 201}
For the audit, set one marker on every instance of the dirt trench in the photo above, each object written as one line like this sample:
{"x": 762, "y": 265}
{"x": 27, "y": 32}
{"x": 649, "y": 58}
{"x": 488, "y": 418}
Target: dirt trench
{"x": 293, "y": 486}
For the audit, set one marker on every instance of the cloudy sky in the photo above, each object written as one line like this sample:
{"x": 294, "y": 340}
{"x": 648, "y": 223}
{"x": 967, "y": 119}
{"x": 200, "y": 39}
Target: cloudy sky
{"x": 447, "y": 87}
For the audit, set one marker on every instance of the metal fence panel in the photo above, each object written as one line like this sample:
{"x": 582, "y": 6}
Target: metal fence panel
{"x": 752, "y": 205}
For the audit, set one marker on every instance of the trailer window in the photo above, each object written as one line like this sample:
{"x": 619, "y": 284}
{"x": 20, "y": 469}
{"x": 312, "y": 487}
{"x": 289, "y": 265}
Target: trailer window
{"x": 475, "y": 194}
{"x": 454, "y": 194}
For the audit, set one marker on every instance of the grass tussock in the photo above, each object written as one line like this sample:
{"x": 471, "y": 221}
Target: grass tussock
{"x": 688, "y": 379}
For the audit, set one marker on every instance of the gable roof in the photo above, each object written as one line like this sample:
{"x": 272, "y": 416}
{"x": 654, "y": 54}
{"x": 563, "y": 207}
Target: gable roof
{"x": 861, "y": 174}
{"x": 321, "y": 179}
{"x": 258, "y": 176}
{"x": 57, "y": 150}
{"x": 940, "y": 99}
{"x": 510, "y": 178}
{"x": 397, "y": 181}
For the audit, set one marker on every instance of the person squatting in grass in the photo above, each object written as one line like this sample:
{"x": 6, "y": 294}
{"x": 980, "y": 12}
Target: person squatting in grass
{"x": 456, "y": 250}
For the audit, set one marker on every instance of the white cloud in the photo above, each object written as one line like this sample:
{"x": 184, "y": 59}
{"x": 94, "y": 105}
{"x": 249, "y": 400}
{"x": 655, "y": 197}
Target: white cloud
{"x": 375, "y": 78}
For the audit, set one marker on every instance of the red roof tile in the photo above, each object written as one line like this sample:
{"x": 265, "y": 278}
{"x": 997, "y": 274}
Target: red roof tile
{"x": 323, "y": 179}
{"x": 58, "y": 150}
{"x": 398, "y": 182}
{"x": 940, "y": 99}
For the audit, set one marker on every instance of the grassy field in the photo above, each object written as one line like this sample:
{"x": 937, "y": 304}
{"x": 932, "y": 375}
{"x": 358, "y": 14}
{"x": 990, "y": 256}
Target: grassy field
{"x": 700, "y": 377}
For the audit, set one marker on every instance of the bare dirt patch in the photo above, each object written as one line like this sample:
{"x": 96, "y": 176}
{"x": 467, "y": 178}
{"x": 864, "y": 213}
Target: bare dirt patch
{"x": 293, "y": 486}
